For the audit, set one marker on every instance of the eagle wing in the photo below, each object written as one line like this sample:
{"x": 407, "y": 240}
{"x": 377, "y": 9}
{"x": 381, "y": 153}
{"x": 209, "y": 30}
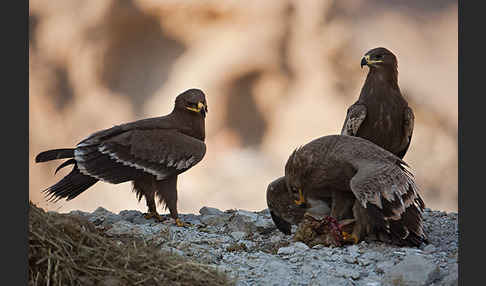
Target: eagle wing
{"x": 391, "y": 196}
{"x": 408, "y": 121}
{"x": 355, "y": 116}
{"x": 133, "y": 153}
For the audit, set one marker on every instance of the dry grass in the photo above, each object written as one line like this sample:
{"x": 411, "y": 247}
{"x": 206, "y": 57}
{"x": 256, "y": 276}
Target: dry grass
{"x": 68, "y": 250}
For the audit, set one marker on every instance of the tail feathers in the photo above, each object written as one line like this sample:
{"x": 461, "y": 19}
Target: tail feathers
{"x": 66, "y": 163}
{"x": 54, "y": 154}
{"x": 70, "y": 186}
{"x": 406, "y": 231}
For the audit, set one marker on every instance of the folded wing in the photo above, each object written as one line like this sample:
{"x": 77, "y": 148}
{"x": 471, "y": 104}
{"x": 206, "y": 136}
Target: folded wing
{"x": 128, "y": 155}
{"x": 389, "y": 193}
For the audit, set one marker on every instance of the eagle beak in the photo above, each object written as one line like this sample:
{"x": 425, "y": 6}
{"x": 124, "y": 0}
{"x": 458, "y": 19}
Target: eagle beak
{"x": 364, "y": 60}
{"x": 301, "y": 200}
{"x": 202, "y": 108}
{"x": 200, "y": 105}
{"x": 368, "y": 61}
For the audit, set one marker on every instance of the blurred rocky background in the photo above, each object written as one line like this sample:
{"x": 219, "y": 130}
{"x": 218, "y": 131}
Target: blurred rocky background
{"x": 277, "y": 74}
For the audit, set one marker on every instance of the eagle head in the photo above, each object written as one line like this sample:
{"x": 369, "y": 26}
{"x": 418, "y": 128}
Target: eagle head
{"x": 295, "y": 175}
{"x": 193, "y": 100}
{"x": 379, "y": 57}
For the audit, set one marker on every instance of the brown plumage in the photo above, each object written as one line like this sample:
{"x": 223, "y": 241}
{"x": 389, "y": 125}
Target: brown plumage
{"x": 376, "y": 183}
{"x": 283, "y": 210}
{"x": 149, "y": 152}
{"x": 381, "y": 114}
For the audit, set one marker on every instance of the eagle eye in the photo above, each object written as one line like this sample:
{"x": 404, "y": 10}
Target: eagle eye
{"x": 378, "y": 56}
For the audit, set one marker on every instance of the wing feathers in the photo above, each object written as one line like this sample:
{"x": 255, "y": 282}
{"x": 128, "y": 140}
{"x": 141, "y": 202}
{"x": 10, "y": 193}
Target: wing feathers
{"x": 392, "y": 199}
{"x": 354, "y": 118}
{"x": 126, "y": 156}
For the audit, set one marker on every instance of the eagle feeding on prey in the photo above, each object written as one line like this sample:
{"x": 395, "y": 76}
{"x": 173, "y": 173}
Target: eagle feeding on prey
{"x": 349, "y": 170}
{"x": 381, "y": 115}
{"x": 149, "y": 152}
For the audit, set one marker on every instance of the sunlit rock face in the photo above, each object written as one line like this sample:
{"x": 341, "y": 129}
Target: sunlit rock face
{"x": 276, "y": 73}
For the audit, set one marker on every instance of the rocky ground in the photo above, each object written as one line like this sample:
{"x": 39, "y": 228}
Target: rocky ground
{"x": 247, "y": 246}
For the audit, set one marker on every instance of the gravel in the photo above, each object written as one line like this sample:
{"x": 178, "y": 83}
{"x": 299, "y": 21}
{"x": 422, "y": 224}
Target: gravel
{"x": 247, "y": 246}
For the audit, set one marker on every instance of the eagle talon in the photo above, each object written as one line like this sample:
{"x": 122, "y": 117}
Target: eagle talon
{"x": 180, "y": 223}
{"x": 153, "y": 215}
{"x": 351, "y": 238}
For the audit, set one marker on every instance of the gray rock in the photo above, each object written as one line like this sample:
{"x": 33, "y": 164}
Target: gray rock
{"x": 103, "y": 217}
{"x": 429, "y": 248}
{"x": 213, "y": 219}
{"x": 277, "y": 273}
{"x": 263, "y": 224}
{"x": 249, "y": 244}
{"x": 133, "y": 216}
{"x": 301, "y": 246}
{"x": 372, "y": 283}
{"x": 275, "y": 238}
{"x": 79, "y": 213}
{"x": 327, "y": 280}
{"x": 237, "y": 243}
{"x": 414, "y": 270}
{"x": 123, "y": 228}
{"x": 383, "y": 266}
{"x": 251, "y": 215}
{"x": 452, "y": 276}
{"x": 242, "y": 221}
{"x": 350, "y": 259}
{"x": 286, "y": 250}
{"x": 364, "y": 261}
{"x": 347, "y": 273}
{"x": 238, "y": 235}
{"x": 191, "y": 218}
{"x": 210, "y": 211}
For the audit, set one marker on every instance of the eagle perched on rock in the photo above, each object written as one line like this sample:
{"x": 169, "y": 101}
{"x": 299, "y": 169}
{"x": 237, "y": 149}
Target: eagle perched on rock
{"x": 381, "y": 114}
{"x": 349, "y": 170}
{"x": 150, "y": 152}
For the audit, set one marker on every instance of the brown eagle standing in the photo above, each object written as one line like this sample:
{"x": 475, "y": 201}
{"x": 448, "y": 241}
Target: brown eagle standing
{"x": 381, "y": 114}
{"x": 149, "y": 152}
{"x": 382, "y": 192}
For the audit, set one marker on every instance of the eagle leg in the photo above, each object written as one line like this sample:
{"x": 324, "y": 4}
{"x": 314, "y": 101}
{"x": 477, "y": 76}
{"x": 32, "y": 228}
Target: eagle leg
{"x": 167, "y": 194}
{"x": 347, "y": 228}
{"x": 175, "y": 216}
{"x": 152, "y": 210}
{"x": 144, "y": 187}
{"x": 342, "y": 204}
{"x": 361, "y": 224}
{"x": 154, "y": 215}
{"x": 180, "y": 223}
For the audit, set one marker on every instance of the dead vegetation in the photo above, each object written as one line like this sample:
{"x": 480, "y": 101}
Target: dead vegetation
{"x": 69, "y": 250}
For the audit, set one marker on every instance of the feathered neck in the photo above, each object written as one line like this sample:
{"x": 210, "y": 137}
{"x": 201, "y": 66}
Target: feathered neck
{"x": 382, "y": 76}
{"x": 192, "y": 123}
